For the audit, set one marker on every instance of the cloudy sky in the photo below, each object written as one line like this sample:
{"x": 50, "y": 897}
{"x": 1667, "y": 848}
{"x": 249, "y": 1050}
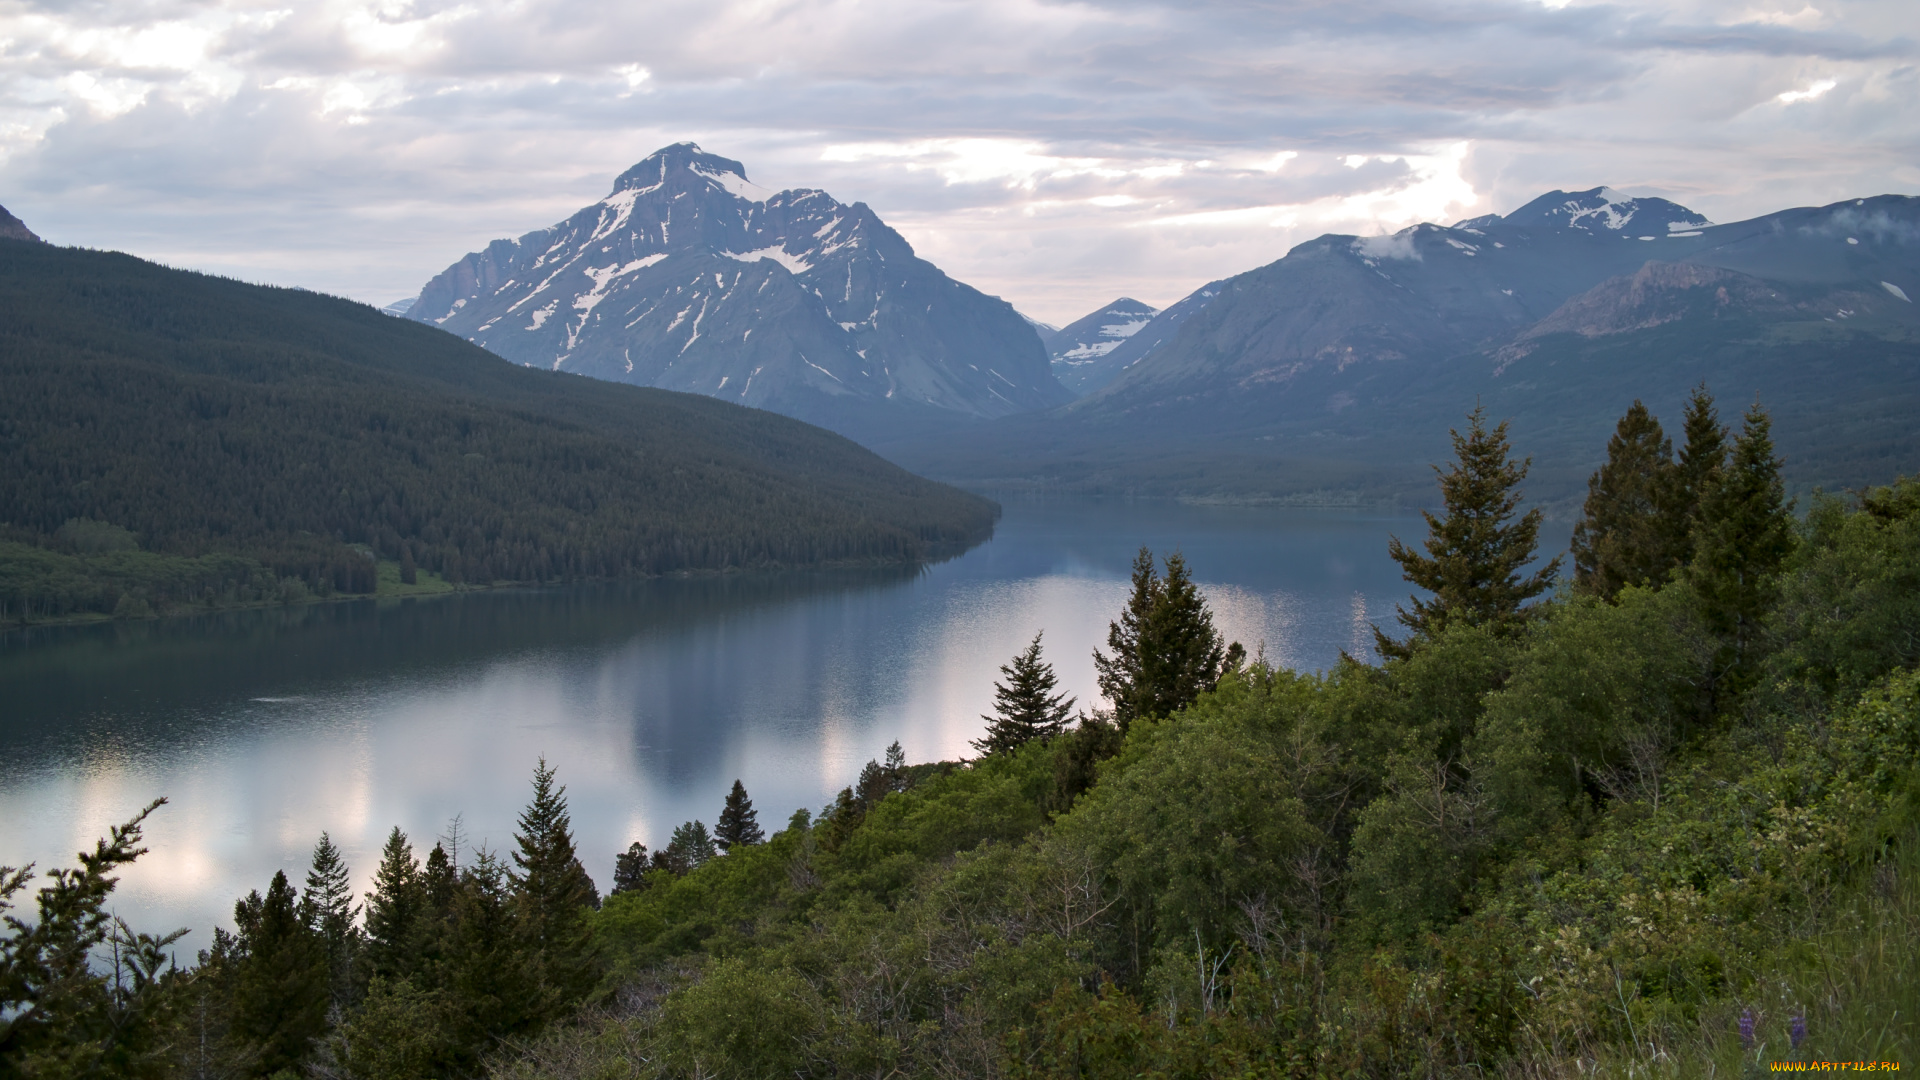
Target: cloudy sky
{"x": 1054, "y": 153}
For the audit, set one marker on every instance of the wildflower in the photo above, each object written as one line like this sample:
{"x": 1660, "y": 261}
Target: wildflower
{"x": 1798, "y": 1031}
{"x": 1746, "y": 1028}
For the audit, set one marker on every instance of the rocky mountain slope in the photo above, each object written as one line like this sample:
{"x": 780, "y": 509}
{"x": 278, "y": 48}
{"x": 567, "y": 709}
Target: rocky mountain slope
{"x": 12, "y": 228}
{"x": 688, "y": 276}
{"x": 1343, "y": 364}
{"x": 1080, "y": 349}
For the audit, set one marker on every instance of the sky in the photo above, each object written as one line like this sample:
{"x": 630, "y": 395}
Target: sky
{"x": 1056, "y": 154}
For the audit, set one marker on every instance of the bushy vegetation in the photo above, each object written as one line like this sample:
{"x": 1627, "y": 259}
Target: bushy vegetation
{"x": 249, "y": 440}
{"x": 1666, "y": 825}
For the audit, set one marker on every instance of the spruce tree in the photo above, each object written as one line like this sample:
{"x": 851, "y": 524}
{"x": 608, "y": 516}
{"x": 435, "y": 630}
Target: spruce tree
{"x": 738, "y": 825}
{"x": 1741, "y": 539}
{"x": 552, "y": 891}
{"x": 1622, "y": 538}
{"x": 689, "y": 847}
{"x": 630, "y": 869}
{"x": 1475, "y": 553}
{"x": 279, "y": 1004}
{"x": 327, "y": 909}
{"x": 1693, "y": 474}
{"x": 491, "y": 975}
{"x": 1025, "y": 706}
{"x": 1166, "y": 651}
{"x": 393, "y": 906}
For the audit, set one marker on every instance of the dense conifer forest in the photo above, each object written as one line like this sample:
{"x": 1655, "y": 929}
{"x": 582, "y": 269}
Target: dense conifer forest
{"x": 1658, "y": 818}
{"x": 171, "y": 439}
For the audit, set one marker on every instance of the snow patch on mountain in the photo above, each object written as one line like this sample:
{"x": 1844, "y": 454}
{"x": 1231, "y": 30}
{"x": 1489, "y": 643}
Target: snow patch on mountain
{"x": 795, "y": 264}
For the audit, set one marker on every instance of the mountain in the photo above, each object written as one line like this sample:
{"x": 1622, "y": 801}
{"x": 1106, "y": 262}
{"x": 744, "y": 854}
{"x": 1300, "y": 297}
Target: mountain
{"x": 1341, "y": 366}
{"x": 1080, "y": 349}
{"x": 399, "y": 307}
{"x": 689, "y": 277}
{"x": 12, "y": 228}
{"x": 213, "y": 419}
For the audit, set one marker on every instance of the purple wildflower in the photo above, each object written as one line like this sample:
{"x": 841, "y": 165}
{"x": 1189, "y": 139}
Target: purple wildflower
{"x": 1799, "y": 1031}
{"x": 1746, "y": 1028}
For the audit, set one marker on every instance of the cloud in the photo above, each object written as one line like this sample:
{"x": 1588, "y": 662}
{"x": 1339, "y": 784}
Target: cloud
{"x": 1055, "y": 152}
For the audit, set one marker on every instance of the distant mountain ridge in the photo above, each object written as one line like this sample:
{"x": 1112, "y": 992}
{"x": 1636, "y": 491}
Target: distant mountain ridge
{"x": 687, "y": 276}
{"x": 1341, "y": 365}
{"x": 12, "y": 228}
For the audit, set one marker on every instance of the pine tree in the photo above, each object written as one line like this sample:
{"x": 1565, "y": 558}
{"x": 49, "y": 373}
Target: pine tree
{"x": 328, "y": 910}
{"x": 738, "y": 826}
{"x": 689, "y": 847}
{"x": 1742, "y": 538}
{"x": 553, "y": 892}
{"x": 1474, "y": 554}
{"x": 1166, "y": 651}
{"x": 499, "y": 984}
{"x": 630, "y": 869}
{"x": 393, "y": 906}
{"x": 1025, "y": 706}
{"x": 1693, "y": 474}
{"x": 279, "y": 1002}
{"x": 1622, "y": 538}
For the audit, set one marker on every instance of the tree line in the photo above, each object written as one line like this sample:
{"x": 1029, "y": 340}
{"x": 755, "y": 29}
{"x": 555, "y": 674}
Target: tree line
{"x": 1659, "y": 818}
{"x": 297, "y": 438}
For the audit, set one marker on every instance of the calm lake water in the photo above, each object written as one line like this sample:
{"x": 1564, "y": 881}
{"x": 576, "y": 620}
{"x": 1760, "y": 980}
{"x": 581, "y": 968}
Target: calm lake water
{"x": 264, "y": 728}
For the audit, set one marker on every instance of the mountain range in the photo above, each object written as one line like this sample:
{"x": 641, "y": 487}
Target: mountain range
{"x": 1340, "y": 367}
{"x": 687, "y": 276}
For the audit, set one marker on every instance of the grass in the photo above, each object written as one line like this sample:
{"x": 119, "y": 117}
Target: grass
{"x": 426, "y": 583}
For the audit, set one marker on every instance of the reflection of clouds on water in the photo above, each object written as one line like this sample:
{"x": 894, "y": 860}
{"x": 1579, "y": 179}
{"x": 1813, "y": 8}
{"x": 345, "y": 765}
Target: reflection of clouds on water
{"x": 649, "y": 698}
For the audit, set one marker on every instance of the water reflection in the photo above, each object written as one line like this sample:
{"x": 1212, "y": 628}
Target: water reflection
{"x": 264, "y": 728}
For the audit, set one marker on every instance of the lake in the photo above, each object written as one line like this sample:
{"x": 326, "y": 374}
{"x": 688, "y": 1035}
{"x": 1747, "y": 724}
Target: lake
{"x": 264, "y": 728}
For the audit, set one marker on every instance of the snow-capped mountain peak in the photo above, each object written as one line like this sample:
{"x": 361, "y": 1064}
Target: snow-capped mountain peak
{"x": 1604, "y": 209}
{"x": 689, "y": 276}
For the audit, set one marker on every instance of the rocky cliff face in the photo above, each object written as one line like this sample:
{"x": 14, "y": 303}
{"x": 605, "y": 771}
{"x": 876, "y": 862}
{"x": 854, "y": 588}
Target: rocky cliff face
{"x": 12, "y": 228}
{"x": 688, "y": 276}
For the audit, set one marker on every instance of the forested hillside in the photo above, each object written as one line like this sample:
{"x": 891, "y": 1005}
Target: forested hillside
{"x": 1656, "y": 813}
{"x": 169, "y": 438}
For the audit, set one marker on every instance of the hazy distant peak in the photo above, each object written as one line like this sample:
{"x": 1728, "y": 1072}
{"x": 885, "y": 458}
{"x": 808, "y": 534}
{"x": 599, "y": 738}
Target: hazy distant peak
{"x": 685, "y": 162}
{"x": 13, "y": 228}
{"x": 1601, "y": 208}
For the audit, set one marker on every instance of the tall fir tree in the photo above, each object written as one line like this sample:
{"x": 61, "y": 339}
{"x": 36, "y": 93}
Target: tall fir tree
{"x": 278, "y": 1006}
{"x": 553, "y": 892}
{"x": 738, "y": 825}
{"x": 1622, "y": 537}
{"x": 630, "y": 869}
{"x": 1695, "y": 470}
{"x": 328, "y": 910}
{"x": 394, "y": 907}
{"x": 1475, "y": 554}
{"x": 1025, "y": 706}
{"x": 1741, "y": 539}
{"x": 492, "y": 976}
{"x": 1166, "y": 651}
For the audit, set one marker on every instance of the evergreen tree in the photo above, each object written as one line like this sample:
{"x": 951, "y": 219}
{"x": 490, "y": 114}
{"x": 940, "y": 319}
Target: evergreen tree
{"x": 553, "y": 892}
{"x": 1025, "y": 706}
{"x": 1743, "y": 536}
{"x": 630, "y": 869}
{"x": 394, "y": 906}
{"x": 280, "y": 982}
{"x": 738, "y": 825}
{"x": 1166, "y": 651}
{"x": 327, "y": 909}
{"x": 1622, "y": 538}
{"x": 501, "y": 988}
{"x": 690, "y": 846}
{"x": 1693, "y": 474}
{"x": 1474, "y": 554}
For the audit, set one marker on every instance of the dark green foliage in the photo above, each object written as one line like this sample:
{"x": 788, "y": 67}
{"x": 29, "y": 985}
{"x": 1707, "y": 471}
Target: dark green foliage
{"x": 1623, "y": 537}
{"x": 630, "y": 869}
{"x": 1025, "y": 706}
{"x": 278, "y": 983}
{"x": 394, "y": 908}
{"x": 1698, "y": 463}
{"x": 689, "y": 847}
{"x": 1741, "y": 538}
{"x": 553, "y": 895}
{"x": 738, "y": 826}
{"x": 1166, "y": 651}
{"x": 67, "y": 1010}
{"x": 254, "y": 436}
{"x": 328, "y": 910}
{"x": 1474, "y": 554}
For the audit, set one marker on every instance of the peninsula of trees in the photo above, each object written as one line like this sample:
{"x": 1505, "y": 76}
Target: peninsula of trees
{"x": 173, "y": 440}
